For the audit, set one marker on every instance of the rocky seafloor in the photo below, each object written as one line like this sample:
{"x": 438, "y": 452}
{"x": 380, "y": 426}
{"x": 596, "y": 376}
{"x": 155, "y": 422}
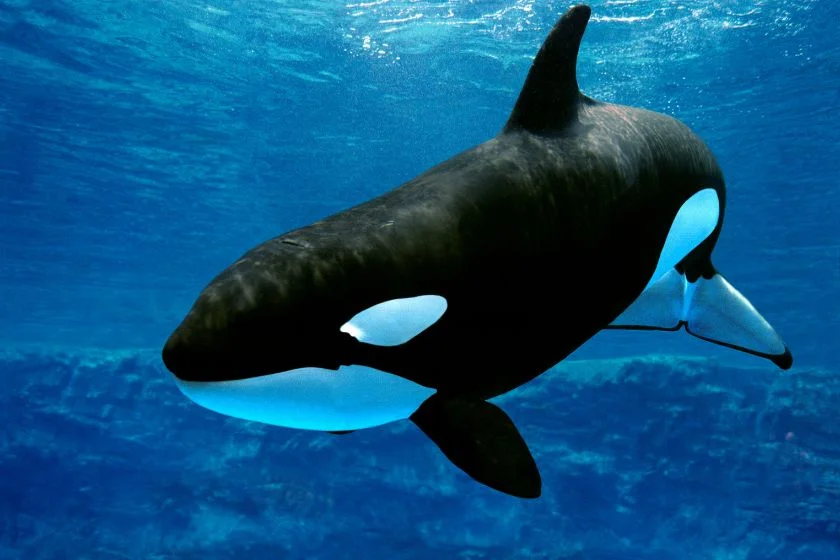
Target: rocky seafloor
{"x": 651, "y": 458}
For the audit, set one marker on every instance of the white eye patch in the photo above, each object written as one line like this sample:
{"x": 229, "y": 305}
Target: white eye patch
{"x": 395, "y": 321}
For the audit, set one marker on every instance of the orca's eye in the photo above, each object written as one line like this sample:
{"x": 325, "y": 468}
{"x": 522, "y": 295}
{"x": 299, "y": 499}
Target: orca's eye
{"x": 395, "y": 321}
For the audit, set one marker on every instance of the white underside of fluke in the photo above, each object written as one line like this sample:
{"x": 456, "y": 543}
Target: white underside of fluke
{"x": 711, "y": 309}
{"x": 720, "y": 313}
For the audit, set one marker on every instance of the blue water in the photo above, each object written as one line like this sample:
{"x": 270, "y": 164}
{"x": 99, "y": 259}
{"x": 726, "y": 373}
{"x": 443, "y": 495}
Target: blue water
{"x": 146, "y": 145}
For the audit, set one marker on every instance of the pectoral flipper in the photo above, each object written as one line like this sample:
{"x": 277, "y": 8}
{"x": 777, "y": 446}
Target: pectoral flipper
{"x": 481, "y": 440}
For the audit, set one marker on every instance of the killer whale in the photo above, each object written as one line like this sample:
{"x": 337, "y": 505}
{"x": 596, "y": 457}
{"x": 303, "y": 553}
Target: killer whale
{"x": 475, "y": 277}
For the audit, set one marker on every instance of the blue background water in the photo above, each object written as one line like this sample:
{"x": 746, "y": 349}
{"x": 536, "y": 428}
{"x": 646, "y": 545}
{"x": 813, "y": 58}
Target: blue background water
{"x": 146, "y": 145}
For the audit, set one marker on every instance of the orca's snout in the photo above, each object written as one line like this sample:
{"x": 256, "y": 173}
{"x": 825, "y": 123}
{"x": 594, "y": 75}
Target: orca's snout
{"x": 211, "y": 347}
{"x": 180, "y": 359}
{"x": 199, "y": 350}
{"x": 221, "y": 338}
{"x": 251, "y": 322}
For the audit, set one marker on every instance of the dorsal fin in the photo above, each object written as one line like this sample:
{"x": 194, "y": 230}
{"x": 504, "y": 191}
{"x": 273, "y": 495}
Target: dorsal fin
{"x": 551, "y": 93}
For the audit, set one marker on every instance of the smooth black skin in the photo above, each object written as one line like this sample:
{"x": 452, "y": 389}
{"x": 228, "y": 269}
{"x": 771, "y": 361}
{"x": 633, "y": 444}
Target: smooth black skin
{"x": 537, "y": 238}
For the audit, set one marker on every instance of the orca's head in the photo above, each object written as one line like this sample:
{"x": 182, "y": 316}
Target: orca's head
{"x": 281, "y": 350}
{"x": 244, "y": 326}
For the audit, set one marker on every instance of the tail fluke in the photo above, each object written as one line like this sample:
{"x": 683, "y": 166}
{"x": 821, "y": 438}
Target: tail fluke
{"x": 710, "y": 309}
